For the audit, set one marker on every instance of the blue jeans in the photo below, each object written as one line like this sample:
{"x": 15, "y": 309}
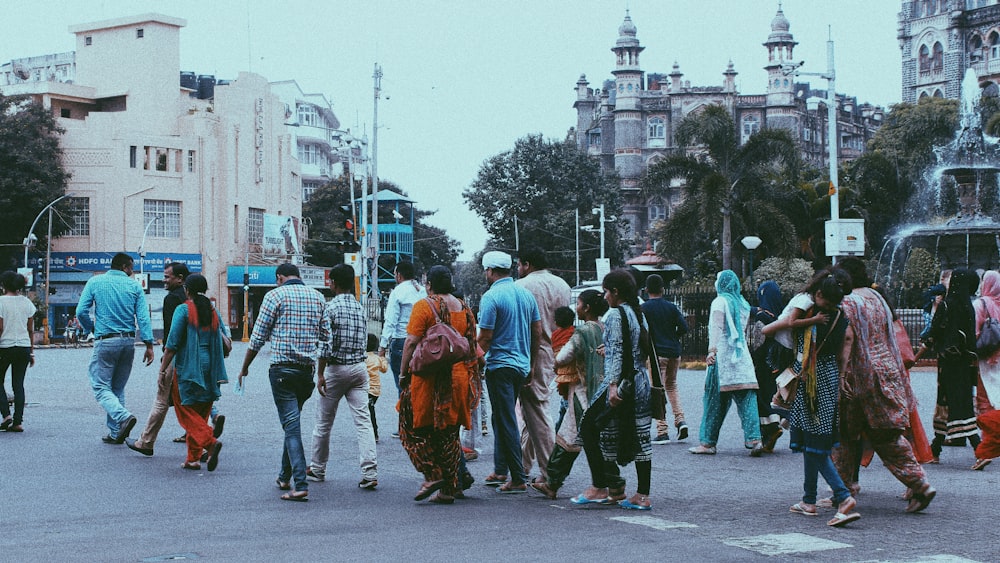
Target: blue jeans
{"x": 504, "y": 384}
{"x": 291, "y": 387}
{"x": 110, "y": 367}
{"x": 820, "y": 464}
{"x": 396, "y": 358}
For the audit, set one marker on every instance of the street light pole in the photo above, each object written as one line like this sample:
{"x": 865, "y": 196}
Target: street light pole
{"x": 831, "y": 117}
{"x": 31, "y": 232}
{"x": 751, "y": 243}
{"x": 142, "y": 245}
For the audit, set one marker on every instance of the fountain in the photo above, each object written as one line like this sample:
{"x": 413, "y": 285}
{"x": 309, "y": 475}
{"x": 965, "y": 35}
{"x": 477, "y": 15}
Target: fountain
{"x": 967, "y": 166}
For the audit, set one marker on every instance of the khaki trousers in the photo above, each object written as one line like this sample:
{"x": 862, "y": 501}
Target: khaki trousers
{"x": 668, "y": 371}
{"x": 164, "y": 384}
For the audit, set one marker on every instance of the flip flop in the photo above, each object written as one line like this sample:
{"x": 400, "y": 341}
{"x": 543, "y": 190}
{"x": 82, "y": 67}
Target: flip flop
{"x": 580, "y": 499}
{"x": 294, "y": 497}
{"x": 798, "y": 508}
{"x": 512, "y": 489}
{"x": 428, "y": 489}
{"x": 283, "y": 485}
{"x": 840, "y": 519}
{"x": 627, "y": 505}
{"x": 981, "y": 464}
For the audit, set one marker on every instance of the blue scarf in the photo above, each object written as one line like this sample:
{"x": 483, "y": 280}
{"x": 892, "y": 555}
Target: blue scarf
{"x": 727, "y": 285}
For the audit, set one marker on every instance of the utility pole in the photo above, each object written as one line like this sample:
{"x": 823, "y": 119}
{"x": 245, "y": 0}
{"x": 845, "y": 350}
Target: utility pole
{"x": 373, "y": 249}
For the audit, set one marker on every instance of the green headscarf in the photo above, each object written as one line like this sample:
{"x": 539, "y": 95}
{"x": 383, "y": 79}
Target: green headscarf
{"x": 727, "y": 285}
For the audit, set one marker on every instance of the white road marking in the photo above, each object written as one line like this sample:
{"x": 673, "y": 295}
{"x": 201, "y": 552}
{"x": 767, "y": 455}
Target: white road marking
{"x": 784, "y": 544}
{"x": 652, "y": 522}
{"x": 926, "y": 559}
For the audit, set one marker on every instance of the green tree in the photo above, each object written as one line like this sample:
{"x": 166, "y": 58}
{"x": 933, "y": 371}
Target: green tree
{"x": 542, "y": 184}
{"x": 31, "y": 173}
{"x": 729, "y": 187}
{"x": 326, "y": 213}
{"x": 911, "y": 131}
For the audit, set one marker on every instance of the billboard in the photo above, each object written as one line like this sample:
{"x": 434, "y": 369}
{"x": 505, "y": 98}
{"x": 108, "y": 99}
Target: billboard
{"x": 281, "y": 235}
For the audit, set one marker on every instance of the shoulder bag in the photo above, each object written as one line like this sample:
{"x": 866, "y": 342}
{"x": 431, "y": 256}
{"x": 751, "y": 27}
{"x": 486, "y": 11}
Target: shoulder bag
{"x": 657, "y": 394}
{"x": 441, "y": 345}
{"x": 988, "y": 340}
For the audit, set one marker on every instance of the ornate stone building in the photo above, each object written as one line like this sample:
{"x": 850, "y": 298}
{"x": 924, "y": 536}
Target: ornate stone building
{"x": 940, "y": 39}
{"x": 628, "y": 123}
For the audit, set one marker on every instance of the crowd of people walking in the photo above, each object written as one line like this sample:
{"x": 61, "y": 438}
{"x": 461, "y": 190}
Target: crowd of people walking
{"x": 830, "y": 367}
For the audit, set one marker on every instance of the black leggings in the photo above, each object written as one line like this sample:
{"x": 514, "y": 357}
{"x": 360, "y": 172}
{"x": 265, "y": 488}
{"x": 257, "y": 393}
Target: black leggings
{"x": 16, "y": 358}
{"x": 603, "y": 473}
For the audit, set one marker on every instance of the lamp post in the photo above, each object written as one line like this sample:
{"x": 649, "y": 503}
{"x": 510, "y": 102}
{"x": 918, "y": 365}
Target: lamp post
{"x": 832, "y": 138}
{"x": 751, "y": 243}
{"x": 31, "y": 238}
{"x": 142, "y": 245}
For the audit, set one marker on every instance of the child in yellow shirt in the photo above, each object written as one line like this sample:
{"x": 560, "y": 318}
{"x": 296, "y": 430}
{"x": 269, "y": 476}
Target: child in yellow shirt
{"x": 376, "y": 365}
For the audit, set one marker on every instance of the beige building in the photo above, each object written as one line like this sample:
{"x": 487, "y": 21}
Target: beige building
{"x": 185, "y": 172}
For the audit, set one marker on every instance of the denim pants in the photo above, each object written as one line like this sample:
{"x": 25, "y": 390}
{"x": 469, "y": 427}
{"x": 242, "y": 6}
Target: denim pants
{"x": 17, "y": 359}
{"x": 816, "y": 464}
{"x": 396, "y": 358}
{"x": 291, "y": 386}
{"x": 503, "y": 385}
{"x": 110, "y": 367}
{"x": 351, "y": 383}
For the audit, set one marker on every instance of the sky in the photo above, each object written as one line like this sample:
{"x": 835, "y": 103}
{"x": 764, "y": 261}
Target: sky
{"x": 463, "y": 80}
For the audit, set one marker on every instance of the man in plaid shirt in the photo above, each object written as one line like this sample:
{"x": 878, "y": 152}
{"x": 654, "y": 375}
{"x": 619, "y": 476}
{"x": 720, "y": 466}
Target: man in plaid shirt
{"x": 342, "y": 374}
{"x": 290, "y": 318}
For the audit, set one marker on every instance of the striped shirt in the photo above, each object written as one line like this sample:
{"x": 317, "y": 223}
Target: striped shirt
{"x": 290, "y": 318}
{"x": 344, "y": 321}
{"x": 119, "y": 305}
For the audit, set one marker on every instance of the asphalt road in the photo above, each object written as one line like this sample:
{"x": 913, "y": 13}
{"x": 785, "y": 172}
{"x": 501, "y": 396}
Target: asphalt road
{"x": 68, "y": 497}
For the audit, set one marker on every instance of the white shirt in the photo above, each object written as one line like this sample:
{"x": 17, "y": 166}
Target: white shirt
{"x": 397, "y": 311}
{"x": 15, "y": 310}
{"x": 802, "y": 302}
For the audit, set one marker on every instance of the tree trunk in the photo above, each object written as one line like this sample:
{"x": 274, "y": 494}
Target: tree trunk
{"x": 727, "y": 241}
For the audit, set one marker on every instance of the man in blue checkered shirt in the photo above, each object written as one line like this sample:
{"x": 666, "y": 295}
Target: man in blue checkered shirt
{"x": 119, "y": 305}
{"x": 290, "y": 318}
{"x": 342, "y": 374}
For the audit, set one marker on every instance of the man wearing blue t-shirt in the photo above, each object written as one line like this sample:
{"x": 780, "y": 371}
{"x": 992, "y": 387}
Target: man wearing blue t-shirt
{"x": 510, "y": 330}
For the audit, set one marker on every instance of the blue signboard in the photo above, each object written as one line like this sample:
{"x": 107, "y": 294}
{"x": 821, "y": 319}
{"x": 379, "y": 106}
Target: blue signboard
{"x": 101, "y": 261}
{"x": 263, "y": 276}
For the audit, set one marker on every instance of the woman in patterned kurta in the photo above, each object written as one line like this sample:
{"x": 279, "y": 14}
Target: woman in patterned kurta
{"x": 988, "y": 390}
{"x": 623, "y": 435}
{"x": 813, "y": 416}
{"x": 433, "y": 405}
{"x": 874, "y": 395}
{"x": 581, "y": 352}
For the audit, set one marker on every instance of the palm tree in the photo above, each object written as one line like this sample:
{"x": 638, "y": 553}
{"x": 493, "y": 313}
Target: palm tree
{"x": 746, "y": 184}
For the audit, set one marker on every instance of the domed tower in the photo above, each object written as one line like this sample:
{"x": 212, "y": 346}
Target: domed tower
{"x": 628, "y": 118}
{"x": 780, "y": 88}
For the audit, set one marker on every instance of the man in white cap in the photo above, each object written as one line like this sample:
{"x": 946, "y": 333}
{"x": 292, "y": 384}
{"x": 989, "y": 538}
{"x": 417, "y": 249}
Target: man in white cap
{"x": 510, "y": 330}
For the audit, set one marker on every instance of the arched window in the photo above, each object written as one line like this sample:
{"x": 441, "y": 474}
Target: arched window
{"x": 937, "y": 61}
{"x": 938, "y": 94}
{"x": 657, "y": 209}
{"x": 976, "y": 48}
{"x": 923, "y": 95}
{"x": 926, "y": 8}
{"x": 925, "y": 59}
{"x": 994, "y": 41}
{"x": 751, "y": 124}
{"x": 656, "y": 132}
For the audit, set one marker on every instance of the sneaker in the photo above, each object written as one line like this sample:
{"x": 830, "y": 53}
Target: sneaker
{"x": 395, "y": 435}
{"x": 314, "y": 477}
{"x": 682, "y": 431}
{"x": 662, "y": 438}
{"x": 369, "y": 484}
{"x": 470, "y": 454}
